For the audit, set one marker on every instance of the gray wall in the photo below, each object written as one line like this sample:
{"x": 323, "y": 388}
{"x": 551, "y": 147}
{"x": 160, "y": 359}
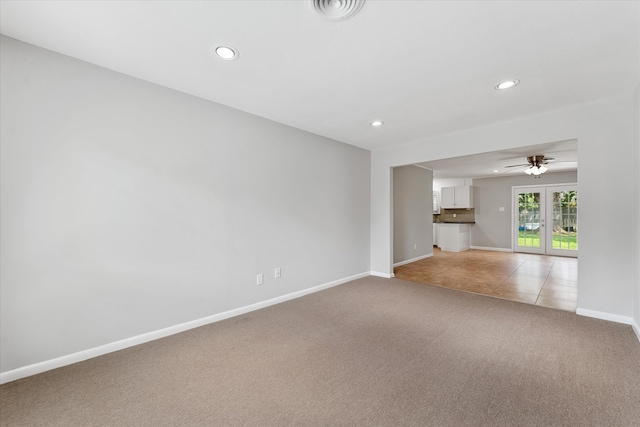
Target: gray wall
{"x": 128, "y": 207}
{"x": 493, "y": 228}
{"x": 412, "y": 213}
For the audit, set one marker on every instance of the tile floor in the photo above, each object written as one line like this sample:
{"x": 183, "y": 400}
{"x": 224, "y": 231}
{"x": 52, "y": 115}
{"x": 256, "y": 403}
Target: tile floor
{"x": 549, "y": 281}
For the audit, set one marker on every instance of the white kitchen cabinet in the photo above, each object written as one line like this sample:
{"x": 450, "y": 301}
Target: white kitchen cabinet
{"x": 459, "y": 197}
{"x": 454, "y": 237}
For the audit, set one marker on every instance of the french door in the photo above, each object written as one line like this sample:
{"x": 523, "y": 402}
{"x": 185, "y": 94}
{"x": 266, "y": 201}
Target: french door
{"x": 546, "y": 220}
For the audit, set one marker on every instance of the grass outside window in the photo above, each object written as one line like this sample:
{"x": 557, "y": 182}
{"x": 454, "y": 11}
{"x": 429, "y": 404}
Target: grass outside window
{"x": 559, "y": 241}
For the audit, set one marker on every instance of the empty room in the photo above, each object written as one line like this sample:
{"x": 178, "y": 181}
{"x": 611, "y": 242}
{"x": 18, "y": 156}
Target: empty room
{"x": 319, "y": 212}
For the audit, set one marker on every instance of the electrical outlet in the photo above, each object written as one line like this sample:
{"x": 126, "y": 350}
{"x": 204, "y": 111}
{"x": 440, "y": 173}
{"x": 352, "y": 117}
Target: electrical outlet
{"x": 277, "y": 273}
{"x": 260, "y": 279}
{"x": 415, "y": 246}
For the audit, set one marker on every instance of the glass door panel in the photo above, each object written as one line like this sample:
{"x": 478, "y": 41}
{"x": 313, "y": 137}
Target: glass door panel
{"x": 563, "y": 208}
{"x": 529, "y": 207}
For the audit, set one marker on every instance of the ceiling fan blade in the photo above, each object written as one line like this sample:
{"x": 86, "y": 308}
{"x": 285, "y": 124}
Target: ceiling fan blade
{"x": 536, "y": 161}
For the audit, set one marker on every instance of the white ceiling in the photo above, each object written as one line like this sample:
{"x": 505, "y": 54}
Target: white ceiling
{"x": 423, "y": 67}
{"x": 563, "y": 153}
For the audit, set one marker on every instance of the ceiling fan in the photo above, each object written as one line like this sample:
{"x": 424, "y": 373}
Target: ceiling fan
{"x": 536, "y": 164}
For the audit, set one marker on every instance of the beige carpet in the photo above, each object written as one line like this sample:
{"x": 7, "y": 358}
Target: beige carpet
{"x": 373, "y": 352}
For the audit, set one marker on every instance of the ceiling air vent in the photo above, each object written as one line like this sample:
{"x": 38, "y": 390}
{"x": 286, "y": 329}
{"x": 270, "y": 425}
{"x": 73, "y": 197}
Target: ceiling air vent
{"x": 336, "y": 10}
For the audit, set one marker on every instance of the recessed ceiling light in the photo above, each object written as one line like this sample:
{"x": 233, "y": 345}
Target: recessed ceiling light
{"x": 496, "y": 171}
{"x": 376, "y": 123}
{"x": 507, "y": 84}
{"x": 227, "y": 53}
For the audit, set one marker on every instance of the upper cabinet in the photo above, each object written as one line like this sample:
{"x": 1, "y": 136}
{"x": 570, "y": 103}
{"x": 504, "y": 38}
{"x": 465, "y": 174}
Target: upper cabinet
{"x": 459, "y": 197}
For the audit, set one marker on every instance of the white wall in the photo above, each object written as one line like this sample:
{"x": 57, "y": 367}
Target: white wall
{"x": 604, "y": 131}
{"x": 412, "y": 213}
{"x": 128, "y": 207}
{"x": 493, "y": 227}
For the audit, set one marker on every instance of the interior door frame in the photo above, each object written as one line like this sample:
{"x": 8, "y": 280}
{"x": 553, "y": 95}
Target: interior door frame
{"x": 546, "y": 247}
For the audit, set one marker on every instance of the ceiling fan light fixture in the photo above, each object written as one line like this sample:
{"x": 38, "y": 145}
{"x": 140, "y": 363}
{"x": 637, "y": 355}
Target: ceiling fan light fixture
{"x": 535, "y": 170}
{"x": 508, "y": 84}
{"x": 536, "y": 165}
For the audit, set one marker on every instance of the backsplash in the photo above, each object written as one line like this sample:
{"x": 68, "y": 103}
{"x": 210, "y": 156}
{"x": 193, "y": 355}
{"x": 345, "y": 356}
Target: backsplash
{"x": 461, "y": 215}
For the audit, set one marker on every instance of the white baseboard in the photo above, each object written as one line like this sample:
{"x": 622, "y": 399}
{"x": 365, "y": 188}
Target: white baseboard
{"x": 385, "y": 275}
{"x": 69, "y": 359}
{"x": 606, "y": 316}
{"x": 409, "y": 261}
{"x": 636, "y": 329}
{"x": 611, "y": 317}
{"x": 486, "y": 248}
